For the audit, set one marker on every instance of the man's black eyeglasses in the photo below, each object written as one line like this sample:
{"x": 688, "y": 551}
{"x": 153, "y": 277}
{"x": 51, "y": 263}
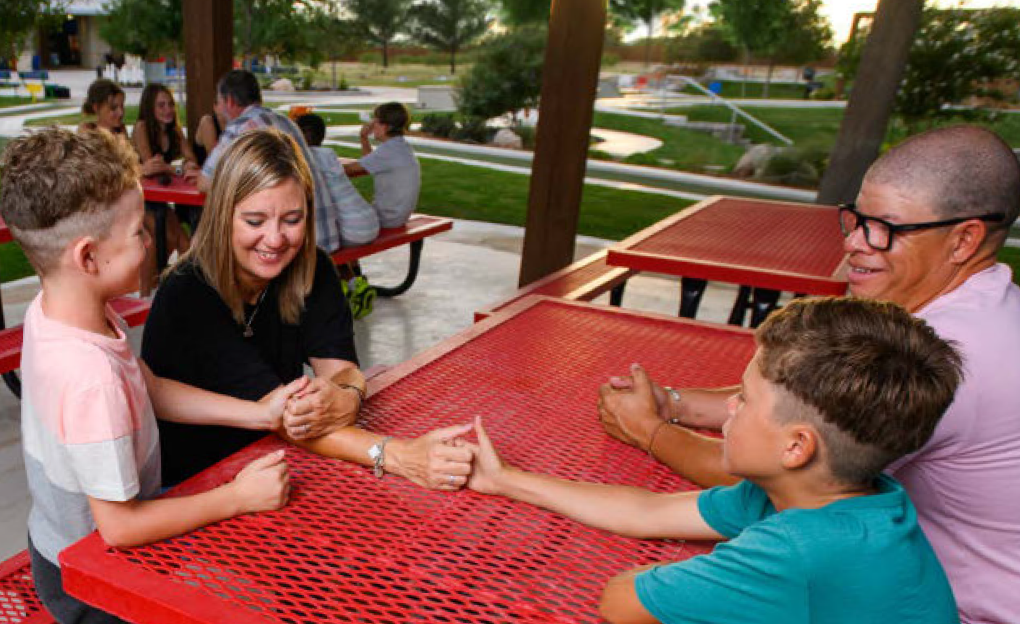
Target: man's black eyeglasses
{"x": 879, "y": 233}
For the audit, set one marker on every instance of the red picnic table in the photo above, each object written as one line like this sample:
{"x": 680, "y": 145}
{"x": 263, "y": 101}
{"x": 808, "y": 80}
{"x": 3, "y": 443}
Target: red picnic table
{"x": 5, "y": 232}
{"x": 176, "y": 190}
{"x": 352, "y": 548}
{"x": 767, "y": 245}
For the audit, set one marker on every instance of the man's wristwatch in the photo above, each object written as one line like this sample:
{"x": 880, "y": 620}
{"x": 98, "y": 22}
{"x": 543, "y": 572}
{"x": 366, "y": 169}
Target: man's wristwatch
{"x": 378, "y": 457}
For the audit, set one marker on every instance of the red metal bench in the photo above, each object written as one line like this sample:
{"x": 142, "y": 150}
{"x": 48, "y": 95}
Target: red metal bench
{"x": 413, "y": 233}
{"x": 582, "y": 281}
{"x": 19, "y": 603}
{"x": 134, "y": 311}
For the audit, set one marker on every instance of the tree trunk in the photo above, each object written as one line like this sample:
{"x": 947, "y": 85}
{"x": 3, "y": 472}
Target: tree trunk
{"x": 453, "y": 60}
{"x": 332, "y": 63}
{"x": 386, "y": 54}
{"x": 648, "y": 45}
{"x": 883, "y": 61}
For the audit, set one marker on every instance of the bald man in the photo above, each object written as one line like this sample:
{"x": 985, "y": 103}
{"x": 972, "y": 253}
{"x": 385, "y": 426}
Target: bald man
{"x": 930, "y": 218}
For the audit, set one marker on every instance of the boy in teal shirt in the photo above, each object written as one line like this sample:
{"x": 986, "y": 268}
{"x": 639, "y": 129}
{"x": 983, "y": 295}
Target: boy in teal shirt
{"x": 837, "y": 389}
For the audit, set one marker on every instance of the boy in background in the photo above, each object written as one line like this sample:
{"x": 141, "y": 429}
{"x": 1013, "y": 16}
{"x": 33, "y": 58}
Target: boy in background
{"x": 392, "y": 164}
{"x": 356, "y": 218}
{"x": 837, "y": 390}
{"x": 90, "y": 440}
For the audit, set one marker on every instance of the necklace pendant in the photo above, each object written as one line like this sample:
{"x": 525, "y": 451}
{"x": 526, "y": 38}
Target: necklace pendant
{"x": 248, "y": 333}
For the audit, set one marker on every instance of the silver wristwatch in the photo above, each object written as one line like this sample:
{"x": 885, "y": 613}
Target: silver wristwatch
{"x": 378, "y": 457}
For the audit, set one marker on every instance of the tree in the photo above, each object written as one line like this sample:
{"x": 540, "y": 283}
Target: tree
{"x": 331, "y": 37}
{"x": 644, "y": 12}
{"x": 706, "y": 43}
{"x": 507, "y": 76}
{"x": 379, "y": 21}
{"x": 525, "y": 12}
{"x": 954, "y": 55}
{"x": 277, "y": 27}
{"x": 449, "y": 25}
{"x": 21, "y": 17}
{"x": 147, "y": 28}
{"x": 756, "y": 26}
{"x": 775, "y": 30}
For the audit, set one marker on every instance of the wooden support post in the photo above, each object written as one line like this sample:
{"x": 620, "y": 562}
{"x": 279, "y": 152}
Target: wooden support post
{"x": 569, "y": 83}
{"x": 208, "y": 53}
{"x": 883, "y": 61}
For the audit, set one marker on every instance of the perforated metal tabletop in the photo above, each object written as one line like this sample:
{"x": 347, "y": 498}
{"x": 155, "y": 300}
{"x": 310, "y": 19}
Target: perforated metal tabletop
{"x": 351, "y": 548}
{"x": 766, "y": 244}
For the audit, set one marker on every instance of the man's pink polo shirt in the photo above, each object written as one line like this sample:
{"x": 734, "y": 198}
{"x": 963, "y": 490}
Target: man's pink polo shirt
{"x": 966, "y": 481}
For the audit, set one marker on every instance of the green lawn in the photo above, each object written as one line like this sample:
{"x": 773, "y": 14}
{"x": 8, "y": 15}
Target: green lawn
{"x": 12, "y": 100}
{"x": 819, "y": 126}
{"x": 130, "y": 116}
{"x": 683, "y": 149}
{"x": 778, "y": 91}
{"x": 466, "y": 192}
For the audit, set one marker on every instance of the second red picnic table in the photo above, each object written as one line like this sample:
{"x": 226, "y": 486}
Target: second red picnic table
{"x": 169, "y": 189}
{"x": 778, "y": 246}
{"x": 353, "y": 548}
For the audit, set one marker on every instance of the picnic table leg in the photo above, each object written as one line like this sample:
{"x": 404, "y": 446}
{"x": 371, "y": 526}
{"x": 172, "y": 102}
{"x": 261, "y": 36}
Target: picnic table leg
{"x": 691, "y": 291}
{"x": 739, "y": 310}
{"x": 616, "y": 295}
{"x": 10, "y": 378}
{"x": 161, "y": 253}
{"x": 412, "y": 273}
{"x": 763, "y": 303}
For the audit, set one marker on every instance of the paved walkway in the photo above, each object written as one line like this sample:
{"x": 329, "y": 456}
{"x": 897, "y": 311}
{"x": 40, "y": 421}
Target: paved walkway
{"x": 463, "y": 270}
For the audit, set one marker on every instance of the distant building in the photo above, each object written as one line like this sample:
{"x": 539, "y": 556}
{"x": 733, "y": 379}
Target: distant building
{"x": 73, "y": 42}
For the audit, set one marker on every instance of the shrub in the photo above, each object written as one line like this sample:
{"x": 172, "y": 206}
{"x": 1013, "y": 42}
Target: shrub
{"x": 370, "y": 58}
{"x": 527, "y": 134}
{"x": 440, "y": 125}
{"x": 506, "y": 77}
{"x": 474, "y": 130}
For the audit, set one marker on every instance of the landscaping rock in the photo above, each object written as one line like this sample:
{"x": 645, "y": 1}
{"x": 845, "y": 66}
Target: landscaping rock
{"x": 507, "y": 138}
{"x": 754, "y": 160}
{"x": 283, "y": 84}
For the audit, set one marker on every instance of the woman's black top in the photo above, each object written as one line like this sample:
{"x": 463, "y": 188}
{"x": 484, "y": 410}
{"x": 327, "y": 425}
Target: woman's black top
{"x": 200, "y": 152}
{"x": 190, "y": 336}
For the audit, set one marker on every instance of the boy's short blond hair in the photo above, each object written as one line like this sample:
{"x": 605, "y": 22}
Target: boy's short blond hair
{"x": 56, "y": 186}
{"x": 870, "y": 377}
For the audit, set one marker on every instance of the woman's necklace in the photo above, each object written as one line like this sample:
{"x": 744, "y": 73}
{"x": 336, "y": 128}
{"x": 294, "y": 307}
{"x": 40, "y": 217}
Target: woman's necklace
{"x": 248, "y": 332}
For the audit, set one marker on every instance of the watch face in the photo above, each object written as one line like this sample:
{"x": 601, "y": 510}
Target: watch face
{"x": 374, "y": 451}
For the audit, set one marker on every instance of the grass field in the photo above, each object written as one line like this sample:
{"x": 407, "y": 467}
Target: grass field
{"x": 12, "y": 100}
{"x": 683, "y": 149}
{"x": 130, "y": 116}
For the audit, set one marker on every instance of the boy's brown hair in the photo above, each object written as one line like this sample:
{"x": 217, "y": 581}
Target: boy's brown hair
{"x": 56, "y": 185}
{"x": 873, "y": 379}
{"x": 394, "y": 116}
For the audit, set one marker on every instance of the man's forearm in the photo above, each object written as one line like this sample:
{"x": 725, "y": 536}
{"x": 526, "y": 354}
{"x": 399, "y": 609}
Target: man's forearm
{"x": 704, "y": 408}
{"x": 691, "y": 455}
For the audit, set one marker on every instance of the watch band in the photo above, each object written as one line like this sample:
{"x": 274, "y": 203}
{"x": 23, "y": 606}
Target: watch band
{"x": 674, "y": 399}
{"x": 378, "y": 455}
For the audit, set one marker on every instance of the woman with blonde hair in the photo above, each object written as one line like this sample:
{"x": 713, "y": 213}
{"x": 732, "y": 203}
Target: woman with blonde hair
{"x": 251, "y": 303}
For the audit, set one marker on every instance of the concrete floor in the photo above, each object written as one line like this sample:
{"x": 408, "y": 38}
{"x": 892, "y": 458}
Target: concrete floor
{"x": 463, "y": 270}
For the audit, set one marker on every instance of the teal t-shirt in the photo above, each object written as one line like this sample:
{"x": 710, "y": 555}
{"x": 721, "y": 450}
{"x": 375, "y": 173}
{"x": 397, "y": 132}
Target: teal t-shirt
{"x": 858, "y": 560}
